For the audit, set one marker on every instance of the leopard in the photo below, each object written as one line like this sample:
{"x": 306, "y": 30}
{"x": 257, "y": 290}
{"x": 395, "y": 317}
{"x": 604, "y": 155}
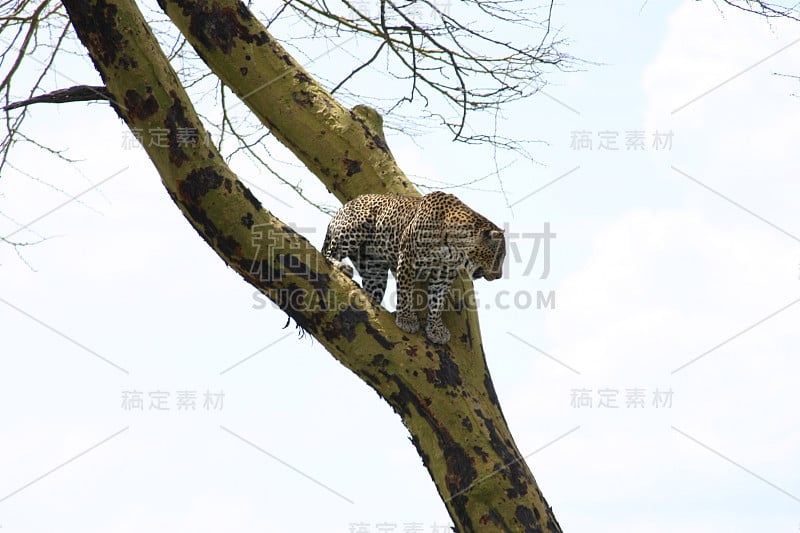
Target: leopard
{"x": 432, "y": 238}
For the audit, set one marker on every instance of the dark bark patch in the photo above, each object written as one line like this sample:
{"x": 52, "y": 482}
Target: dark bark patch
{"x": 178, "y": 125}
{"x": 461, "y": 472}
{"x": 293, "y": 301}
{"x": 96, "y": 26}
{"x": 487, "y": 382}
{"x": 372, "y": 379}
{"x": 261, "y": 269}
{"x": 467, "y": 423}
{"x": 248, "y": 196}
{"x": 241, "y": 8}
{"x": 344, "y": 325}
{"x": 229, "y": 246}
{"x": 459, "y": 478}
{"x": 247, "y": 220}
{"x": 302, "y": 77}
{"x": 303, "y": 98}
{"x": 191, "y": 190}
{"x": 513, "y": 467}
{"x": 321, "y": 302}
{"x": 198, "y": 183}
{"x": 552, "y": 524}
{"x": 287, "y": 60}
{"x": 496, "y": 520}
{"x": 307, "y": 324}
{"x": 411, "y": 351}
{"x": 127, "y": 62}
{"x": 527, "y": 519}
{"x": 379, "y": 360}
{"x": 302, "y": 261}
{"x": 351, "y": 166}
{"x": 447, "y": 375}
{"x": 481, "y": 453}
{"x": 243, "y": 71}
{"x": 228, "y": 185}
{"x": 139, "y": 108}
{"x": 424, "y": 456}
{"x": 401, "y": 399}
{"x": 373, "y": 138}
{"x": 107, "y": 37}
{"x": 380, "y": 339}
{"x": 295, "y": 265}
{"x": 219, "y": 27}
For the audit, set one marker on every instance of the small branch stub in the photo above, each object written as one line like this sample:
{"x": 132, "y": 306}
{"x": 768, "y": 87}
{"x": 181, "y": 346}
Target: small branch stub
{"x": 78, "y": 93}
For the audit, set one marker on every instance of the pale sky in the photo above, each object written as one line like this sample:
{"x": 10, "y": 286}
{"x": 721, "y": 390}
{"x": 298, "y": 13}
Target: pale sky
{"x": 688, "y": 253}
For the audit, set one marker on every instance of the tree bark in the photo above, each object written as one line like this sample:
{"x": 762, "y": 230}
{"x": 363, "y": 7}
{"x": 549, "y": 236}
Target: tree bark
{"x": 443, "y": 394}
{"x": 337, "y": 145}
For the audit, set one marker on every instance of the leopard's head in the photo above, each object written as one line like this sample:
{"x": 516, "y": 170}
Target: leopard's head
{"x": 485, "y": 258}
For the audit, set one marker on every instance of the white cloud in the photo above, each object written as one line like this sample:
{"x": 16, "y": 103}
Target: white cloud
{"x": 660, "y": 288}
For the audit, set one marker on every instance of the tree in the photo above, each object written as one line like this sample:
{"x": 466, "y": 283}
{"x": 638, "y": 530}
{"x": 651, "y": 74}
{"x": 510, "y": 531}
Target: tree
{"x": 444, "y": 394}
{"x": 465, "y": 444}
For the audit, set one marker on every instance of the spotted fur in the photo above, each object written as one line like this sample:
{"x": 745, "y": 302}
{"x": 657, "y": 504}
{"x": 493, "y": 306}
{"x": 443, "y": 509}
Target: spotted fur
{"x": 431, "y": 239}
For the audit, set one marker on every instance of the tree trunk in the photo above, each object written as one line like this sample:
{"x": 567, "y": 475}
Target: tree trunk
{"x": 443, "y": 394}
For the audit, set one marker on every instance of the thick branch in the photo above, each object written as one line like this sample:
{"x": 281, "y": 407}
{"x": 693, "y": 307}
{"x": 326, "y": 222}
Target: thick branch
{"x": 338, "y": 146}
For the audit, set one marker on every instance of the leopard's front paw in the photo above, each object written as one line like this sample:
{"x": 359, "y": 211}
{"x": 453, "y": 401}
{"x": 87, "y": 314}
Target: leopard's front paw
{"x": 437, "y": 333}
{"x": 408, "y": 322}
{"x": 344, "y": 267}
